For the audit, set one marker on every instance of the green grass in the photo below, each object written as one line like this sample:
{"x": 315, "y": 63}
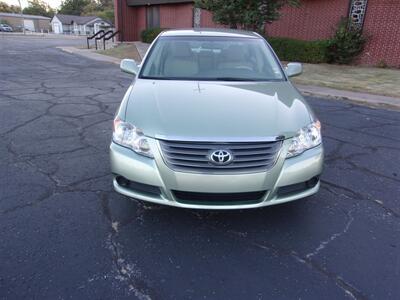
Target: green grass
{"x": 359, "y": 79}
{"x": 122, "y": 51}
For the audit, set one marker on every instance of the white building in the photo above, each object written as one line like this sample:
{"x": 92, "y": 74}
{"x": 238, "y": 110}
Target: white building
{"x": 69, "y": 24}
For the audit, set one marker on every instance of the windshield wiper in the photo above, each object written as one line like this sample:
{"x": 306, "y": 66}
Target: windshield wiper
{"x": 232, "y": 79}
{"x": 207, "y": 79}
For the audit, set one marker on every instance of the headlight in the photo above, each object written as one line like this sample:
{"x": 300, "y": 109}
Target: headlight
{"x": 307, "y": 138}
{"x": 127, "y": 135}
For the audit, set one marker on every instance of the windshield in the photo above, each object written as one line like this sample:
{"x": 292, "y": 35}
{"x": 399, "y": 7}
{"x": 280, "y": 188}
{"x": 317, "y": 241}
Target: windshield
{"x": 211, "y": 58}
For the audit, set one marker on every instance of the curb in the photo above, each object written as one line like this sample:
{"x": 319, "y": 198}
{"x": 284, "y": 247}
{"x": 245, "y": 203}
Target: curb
{"x": 377, "y": 101}
{"x": 91, "y": 54}
{"x": 141, "y": 48}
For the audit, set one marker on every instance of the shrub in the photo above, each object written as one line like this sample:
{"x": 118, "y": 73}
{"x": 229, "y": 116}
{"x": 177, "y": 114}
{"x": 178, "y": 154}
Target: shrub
{"x": 301, "y": 51}
{"x": 382, "y": 64}
{"x": 347, "y": 43}
{"x": 148, "y": 35}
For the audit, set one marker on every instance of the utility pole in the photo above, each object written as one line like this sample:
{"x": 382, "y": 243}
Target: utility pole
{"x": 22, "y": 16}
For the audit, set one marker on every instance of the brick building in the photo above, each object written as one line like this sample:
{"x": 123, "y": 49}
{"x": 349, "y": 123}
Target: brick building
{"x": 30, "y": 22}
{"x": 315, "y": 19}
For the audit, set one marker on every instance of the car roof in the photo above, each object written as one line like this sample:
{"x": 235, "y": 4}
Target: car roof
{"x": 211, "y": 32}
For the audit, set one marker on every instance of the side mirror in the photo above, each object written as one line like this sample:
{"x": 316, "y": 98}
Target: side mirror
{"x": 129, "y": 66}
{"x": 294, "y": 69}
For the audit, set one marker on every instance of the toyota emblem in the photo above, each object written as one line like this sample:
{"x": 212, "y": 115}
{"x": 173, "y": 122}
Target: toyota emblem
{"x": 221, "y": 157}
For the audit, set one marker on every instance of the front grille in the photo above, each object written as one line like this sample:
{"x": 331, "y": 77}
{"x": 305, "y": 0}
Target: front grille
{"x": 219, "y": 198}
{"x": 194, "y": 156}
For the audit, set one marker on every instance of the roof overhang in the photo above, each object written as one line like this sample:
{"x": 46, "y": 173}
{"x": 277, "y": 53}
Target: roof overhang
{"x": 93, "y": 21}
{"x": 13, "y": 15}
{"x": 155, "y": 2}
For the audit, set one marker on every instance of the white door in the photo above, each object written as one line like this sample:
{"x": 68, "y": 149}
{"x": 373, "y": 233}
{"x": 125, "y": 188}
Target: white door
{"x": 56, "y": 28}
{"x": 29, "y": 25}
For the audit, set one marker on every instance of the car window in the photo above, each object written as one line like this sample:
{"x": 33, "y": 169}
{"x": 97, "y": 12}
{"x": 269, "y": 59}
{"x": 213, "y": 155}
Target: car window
{"x": 211, "y": 58}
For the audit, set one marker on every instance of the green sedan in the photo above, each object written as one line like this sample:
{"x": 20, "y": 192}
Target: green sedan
{"x": 211, "y": 121}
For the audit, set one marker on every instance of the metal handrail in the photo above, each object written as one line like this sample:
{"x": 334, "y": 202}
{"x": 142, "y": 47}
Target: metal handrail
{"x": 102, "y": 37}
{"x": 108, "y": 38}
{"x": 93, "y": 36}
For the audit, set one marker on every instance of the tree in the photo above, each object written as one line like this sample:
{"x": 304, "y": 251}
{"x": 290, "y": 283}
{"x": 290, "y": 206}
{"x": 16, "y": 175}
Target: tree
{"x": 106, "y": 3}
{"x": 92, "y": 6}
{"x": 4, "y": 7}
{"x": 73, "y": 7}
{"x": 38, "y": 7}
{"x": 247, "y": 14}
{"x": 101, "y": 8}
{"x": 105, "y": 14}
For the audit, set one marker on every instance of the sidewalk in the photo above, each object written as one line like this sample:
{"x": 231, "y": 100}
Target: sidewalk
{"x": 356, "y": 97}
{"x": 91, "y": 54}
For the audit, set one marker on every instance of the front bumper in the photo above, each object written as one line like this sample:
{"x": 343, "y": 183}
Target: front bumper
{"x": 136, "y": 168}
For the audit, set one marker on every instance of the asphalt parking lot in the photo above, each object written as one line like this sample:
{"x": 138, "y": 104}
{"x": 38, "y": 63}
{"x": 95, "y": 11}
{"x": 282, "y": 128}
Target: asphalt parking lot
{"x": 66, "y": 234}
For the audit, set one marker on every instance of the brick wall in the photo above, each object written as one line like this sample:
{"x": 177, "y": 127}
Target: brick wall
{"x": 16, "y": 22}
{"x": 12, "y": 21}
{"x": 314, "y": 19}
{"x": 140, "y": 24}
{"x": 43, "y": 25}
{"x": 129, "y": 21}
{"x": 134, "y": 18}
{"x": 382, "y": 24}
{"x": 206, "y": 19}
{"x": 176, "y": 16}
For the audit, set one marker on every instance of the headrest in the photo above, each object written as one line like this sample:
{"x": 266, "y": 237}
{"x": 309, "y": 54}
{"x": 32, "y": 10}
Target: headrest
{"x": 235, "y": 52}
{"x": 181, "y": 49}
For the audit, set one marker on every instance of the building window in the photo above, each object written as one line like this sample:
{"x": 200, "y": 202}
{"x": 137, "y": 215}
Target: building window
{"x": 153, "y": 16}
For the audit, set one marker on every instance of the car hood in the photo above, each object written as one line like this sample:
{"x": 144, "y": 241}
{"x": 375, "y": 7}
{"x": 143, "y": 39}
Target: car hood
{"x": 217, "y": 110}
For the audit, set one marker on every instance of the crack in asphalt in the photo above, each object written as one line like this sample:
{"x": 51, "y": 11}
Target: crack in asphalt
{"x": 358, "y": 132}
{"x": 333, "y": 237}
{"x": 127, "y": 272}
{"x": 28, "y": 204}
{"x": 356, "y": 196}
{"x": 347, "y": 288}
{"x": 307, "y": 260}
{"x": 371, "y": 172}
{"x": 368, "y": 147}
